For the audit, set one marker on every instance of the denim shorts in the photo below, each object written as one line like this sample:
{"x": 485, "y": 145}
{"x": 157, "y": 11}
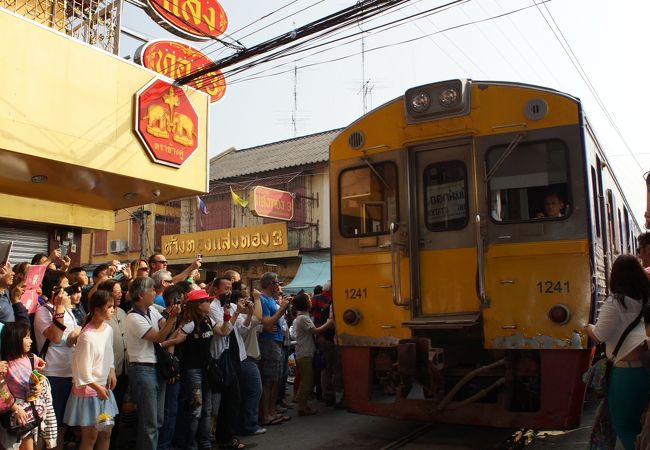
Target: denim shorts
{"x": 271, "y": 359}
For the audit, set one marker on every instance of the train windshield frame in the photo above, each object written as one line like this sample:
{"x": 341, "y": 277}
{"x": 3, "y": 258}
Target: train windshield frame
{"x": 531, "y": 184}
{"x": 368, "y": 199}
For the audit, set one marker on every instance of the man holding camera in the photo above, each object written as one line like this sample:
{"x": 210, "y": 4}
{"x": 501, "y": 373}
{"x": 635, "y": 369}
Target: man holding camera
{"x": 158, "y": 261}
{"x": 270, "y": 341}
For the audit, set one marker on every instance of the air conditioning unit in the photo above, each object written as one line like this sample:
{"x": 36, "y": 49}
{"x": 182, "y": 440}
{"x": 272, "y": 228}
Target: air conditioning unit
{"x": 118, "y": 246}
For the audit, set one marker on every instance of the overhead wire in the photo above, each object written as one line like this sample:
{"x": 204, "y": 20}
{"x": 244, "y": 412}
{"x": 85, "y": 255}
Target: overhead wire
{"x": 585, "y": 78}
{"x": 530, "y": 46}
{"x": 324, "y": 25}
{"x": 291, "y": 50}
{"x": 406, "y": 41}
{"x": 453, "y": 44}
{"x": 493, "y": 45}
{"x": 509, "y": 41}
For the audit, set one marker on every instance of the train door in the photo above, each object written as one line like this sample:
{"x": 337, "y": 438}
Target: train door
{"x": 442, "y": 234}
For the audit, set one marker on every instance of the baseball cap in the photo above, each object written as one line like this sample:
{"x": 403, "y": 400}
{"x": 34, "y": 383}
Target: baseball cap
{"x": 197, "y": 294}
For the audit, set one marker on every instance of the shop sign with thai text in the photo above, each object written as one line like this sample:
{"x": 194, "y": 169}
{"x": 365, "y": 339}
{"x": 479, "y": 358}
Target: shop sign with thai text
{"x": 270, "y": 237}
{"x": 176, "y": 59}
{"x": 198, "y": 20}
{"x": 166, "y": 123}
{"x": 272, "y": 203}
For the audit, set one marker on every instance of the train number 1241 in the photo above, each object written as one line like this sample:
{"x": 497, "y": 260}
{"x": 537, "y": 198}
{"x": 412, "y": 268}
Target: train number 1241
{"x": 553, "y": 287}
{"x": 354, "y": 294}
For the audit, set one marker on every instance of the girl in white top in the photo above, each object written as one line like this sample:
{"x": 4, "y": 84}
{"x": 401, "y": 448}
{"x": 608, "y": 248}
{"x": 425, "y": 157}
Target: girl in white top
{"x": 628, "y": 385}
{"x": 91, "y": 404}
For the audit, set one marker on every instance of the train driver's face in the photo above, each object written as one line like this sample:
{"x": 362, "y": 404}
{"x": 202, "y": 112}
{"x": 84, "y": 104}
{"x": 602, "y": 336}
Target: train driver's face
{"x": 553, "y": 206}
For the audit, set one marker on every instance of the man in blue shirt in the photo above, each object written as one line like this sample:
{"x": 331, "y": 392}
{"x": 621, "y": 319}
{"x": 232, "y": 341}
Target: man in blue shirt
{"x": 270, "y": 341}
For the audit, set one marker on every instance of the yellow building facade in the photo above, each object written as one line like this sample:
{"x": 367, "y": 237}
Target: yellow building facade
{"x": 71, "y": 159}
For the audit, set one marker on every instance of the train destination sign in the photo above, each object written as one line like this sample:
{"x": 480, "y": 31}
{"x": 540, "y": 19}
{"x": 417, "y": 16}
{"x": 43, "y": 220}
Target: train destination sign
{"x": 198, "y": 20}
{"x": 271, "y": 203}
{"x": 166, "y": 123}
{"x": 175, "y": 59}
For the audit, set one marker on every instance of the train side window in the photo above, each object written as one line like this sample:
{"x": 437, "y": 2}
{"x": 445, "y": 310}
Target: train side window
{"x": 530, "y": 183}
{"x": 628, "y": 241}
{"x": 445, "y": 192}
{"x": 595, "y": 200}
{"x": 368, "y": 202}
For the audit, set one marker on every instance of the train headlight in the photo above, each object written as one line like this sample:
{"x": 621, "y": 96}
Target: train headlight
{"x": 420, "y": 102}
{"x": 434, "y": 101}
{"x": 351, "y": 316}
{"x": 449, "y": 97}
{"x": 559, "y": 314}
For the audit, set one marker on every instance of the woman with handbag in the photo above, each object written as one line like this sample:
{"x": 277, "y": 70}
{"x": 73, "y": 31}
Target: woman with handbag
{"x": 20, "y": 424}
{"x": 620, "y": 327}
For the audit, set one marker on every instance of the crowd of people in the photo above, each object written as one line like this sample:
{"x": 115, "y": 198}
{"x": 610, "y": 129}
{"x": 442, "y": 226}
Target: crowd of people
{"x": 139, "y": 357}
{"x": 173, "y": 362}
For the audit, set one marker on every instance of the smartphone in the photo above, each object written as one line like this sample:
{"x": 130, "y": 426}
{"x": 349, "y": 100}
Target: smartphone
{"x": 5, "y": 251}
{"x": 64, "y": 250}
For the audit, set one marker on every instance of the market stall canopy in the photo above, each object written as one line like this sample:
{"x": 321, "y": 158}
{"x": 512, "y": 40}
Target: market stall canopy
{"x": 314, "y": 270}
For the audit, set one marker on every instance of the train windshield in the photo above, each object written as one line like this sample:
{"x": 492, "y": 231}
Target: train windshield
{"x": 368, "y": 199}
{"x": 531, "y": 183}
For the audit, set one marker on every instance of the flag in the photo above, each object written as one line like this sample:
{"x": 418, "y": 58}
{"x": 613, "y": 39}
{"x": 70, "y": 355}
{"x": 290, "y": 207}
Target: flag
{"x": 201, "y": 205}
{"x": 237, "y": 200}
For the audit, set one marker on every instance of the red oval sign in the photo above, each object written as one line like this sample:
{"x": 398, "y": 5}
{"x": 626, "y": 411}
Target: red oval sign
{"x": 198, "y": 20}
{"x": 175, "y": 59}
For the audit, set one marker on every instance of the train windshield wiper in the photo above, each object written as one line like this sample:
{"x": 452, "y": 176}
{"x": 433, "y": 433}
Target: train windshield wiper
{"x": 376, "y": 172}
{"x": 513, "y": 144}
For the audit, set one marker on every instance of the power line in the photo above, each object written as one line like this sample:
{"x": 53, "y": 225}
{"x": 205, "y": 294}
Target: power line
{"x": 406, "y": 41}
{"x": 325, "y": 24}
{"x": 294, "y": 49}
{"x": 585, "y": 78}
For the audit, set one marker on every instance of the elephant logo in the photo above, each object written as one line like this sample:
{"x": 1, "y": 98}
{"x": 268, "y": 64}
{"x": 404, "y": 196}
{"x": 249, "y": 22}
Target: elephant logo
{"x": 183, "y": 129}
{"x": 163, "y": 120}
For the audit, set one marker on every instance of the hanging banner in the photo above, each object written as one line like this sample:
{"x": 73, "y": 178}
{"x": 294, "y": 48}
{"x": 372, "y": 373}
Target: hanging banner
{"x": 197, "y": 20}
{"x": 175, "y": 59}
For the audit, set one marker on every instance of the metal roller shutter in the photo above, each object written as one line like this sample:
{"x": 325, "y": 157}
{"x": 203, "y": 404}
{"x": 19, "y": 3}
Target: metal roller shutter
{"x": 27, "y": 242}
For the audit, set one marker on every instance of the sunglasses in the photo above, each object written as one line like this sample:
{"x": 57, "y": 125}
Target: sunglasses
{"x": 161, "y": 262}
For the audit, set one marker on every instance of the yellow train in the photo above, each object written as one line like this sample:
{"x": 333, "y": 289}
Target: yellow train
{"x": 473, "y": 227}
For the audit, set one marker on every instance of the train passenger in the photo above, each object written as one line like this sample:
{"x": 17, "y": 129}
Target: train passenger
{"x": 628, "y": 386}
{"x": 553, "y": 206}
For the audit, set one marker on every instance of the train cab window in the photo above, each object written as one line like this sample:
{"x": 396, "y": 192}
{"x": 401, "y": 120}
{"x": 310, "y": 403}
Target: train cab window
{"x": 530, "y": 183}
{"x": 445, "y": 192}
{"x": 368, "y": 201}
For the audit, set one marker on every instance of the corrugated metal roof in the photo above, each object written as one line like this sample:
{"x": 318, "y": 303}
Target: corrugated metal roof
{"x": 278, "y": 155}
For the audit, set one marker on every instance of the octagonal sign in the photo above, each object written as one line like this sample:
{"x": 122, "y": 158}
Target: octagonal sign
{"x": 166, "y": 123}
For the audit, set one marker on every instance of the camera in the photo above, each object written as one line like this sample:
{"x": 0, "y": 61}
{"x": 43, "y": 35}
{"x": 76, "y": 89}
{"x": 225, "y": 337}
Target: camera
{"x": 120, "y": 267}
{"x": 199, "y": 256}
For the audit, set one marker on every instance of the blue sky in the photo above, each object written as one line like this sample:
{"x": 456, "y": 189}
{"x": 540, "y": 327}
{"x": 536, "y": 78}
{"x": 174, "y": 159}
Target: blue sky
{"x": 609, "y": 38}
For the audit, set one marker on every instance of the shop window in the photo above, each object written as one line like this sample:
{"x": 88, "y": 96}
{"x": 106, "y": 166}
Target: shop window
{"x": 165, "y": 225}
{"x": 529, "y": 183}
{"x": 100, "y": 242}
{"x": 368, "y": 202}
{"x": 445, "y": 196}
